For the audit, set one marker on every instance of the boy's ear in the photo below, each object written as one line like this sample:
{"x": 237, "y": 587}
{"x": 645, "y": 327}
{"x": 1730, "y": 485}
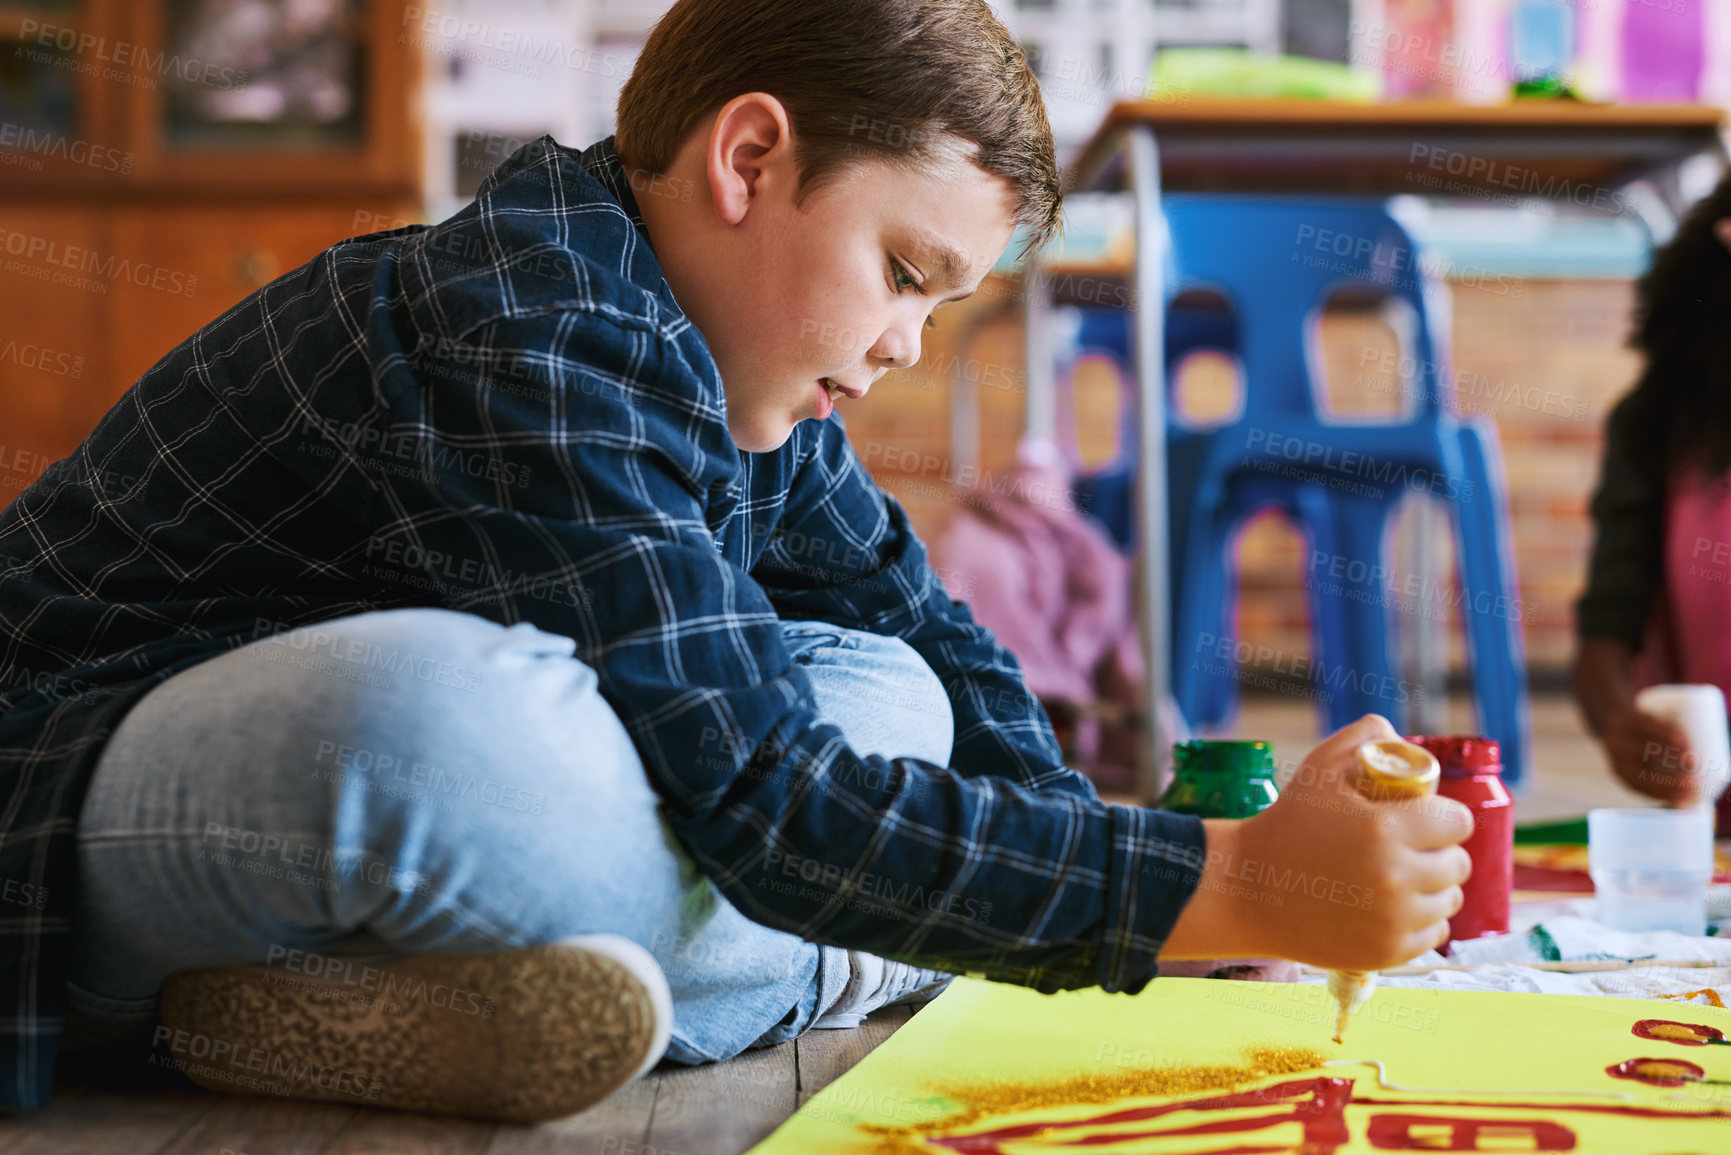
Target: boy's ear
{"x": 750, "y": 153}
{"x": 1722, "y": 230}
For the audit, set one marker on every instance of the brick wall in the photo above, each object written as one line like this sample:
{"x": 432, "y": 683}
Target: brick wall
{"x": 1544, "y": 359}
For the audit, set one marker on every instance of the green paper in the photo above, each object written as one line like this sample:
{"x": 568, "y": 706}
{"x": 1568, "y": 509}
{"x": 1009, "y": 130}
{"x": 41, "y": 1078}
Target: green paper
{"x": 1569, "y": 831}
{"x": 1235, "y": 72}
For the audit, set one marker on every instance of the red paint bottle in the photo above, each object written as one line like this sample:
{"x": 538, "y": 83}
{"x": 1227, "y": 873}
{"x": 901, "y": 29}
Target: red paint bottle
{"x": 1472, "y": 775}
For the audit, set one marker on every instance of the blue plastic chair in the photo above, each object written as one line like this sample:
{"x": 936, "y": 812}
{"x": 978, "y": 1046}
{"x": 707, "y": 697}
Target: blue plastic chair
{"x": 1210, "y": 684}
{"x": 1278, "y": 261}
{"x": 1110, "y": 490}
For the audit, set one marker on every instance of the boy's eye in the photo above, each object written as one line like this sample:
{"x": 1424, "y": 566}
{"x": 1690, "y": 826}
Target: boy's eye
{"x": 902, "y": 279}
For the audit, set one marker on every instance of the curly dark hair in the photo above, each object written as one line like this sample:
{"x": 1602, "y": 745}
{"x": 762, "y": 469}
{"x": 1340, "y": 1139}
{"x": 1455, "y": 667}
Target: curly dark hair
{"x": 1681, "y": 406}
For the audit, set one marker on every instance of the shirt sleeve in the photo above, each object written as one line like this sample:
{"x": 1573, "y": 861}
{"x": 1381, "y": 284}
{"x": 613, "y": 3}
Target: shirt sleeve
{"x": 1626, "y": 566}
{"x": 860, "y": 564}
{"x": 602, "y": 536}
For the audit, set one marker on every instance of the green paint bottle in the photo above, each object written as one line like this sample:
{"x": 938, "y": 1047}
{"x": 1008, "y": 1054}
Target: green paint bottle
{"x": 1220, "y": 779}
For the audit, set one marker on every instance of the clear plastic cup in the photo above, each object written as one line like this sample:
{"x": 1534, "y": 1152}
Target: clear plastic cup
{"x": 1651, "y": 868}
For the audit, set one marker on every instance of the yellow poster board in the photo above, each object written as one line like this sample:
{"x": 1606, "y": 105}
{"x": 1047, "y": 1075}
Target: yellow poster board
{"x": 1208, "y": 1067}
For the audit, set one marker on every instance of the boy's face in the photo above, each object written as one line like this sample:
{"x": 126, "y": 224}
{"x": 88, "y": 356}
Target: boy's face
{"x": 842, "y": 289}
{"x": 801, "y": 305}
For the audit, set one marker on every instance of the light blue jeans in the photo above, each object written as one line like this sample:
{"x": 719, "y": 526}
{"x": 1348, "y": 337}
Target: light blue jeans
{"x": 421, "y": 780}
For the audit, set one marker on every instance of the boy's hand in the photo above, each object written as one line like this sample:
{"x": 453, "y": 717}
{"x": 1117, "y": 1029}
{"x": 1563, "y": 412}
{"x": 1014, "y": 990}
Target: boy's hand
{"x": 1325, "y": 876}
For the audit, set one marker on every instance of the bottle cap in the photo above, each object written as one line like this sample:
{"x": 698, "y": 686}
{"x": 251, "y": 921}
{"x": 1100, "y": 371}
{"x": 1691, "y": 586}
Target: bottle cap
{"x": 1223, "y": 756}
{"x": 1396, "y": 767}
{"x": 1462, "y": 753}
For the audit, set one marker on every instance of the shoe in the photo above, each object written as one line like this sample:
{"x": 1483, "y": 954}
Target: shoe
{"x": 875, "y": 982}
{"x": 521, "y": 1036}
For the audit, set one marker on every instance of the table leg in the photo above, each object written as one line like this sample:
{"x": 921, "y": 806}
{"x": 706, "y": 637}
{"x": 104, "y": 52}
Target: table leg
{"x": 1143, "y": 170}
{"x": 1041, "y": 420}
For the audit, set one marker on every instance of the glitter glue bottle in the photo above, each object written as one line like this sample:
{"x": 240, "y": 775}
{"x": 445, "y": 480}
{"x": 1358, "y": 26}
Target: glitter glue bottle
{"x": 1471, "y": 775}
{"x": 1220, "y": 779}
{"x": 1389, "y": 770}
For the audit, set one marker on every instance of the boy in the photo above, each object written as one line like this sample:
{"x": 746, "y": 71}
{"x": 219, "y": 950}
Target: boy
{"x": 480, "y": 610}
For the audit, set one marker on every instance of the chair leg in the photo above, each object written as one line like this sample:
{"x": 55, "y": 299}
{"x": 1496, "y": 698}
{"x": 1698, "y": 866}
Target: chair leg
{"x": 1330, "y": 629}
{"x": 1204, "y": 658}
{"x": 1358, "y": 671}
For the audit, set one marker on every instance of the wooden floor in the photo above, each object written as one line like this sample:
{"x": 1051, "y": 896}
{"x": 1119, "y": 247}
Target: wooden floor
{"x": 720, "y": 1109}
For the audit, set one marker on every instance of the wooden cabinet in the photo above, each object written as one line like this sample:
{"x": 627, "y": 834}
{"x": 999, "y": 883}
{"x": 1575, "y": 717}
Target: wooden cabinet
{"x": 162, "y": 159}
{"x": 52, "y": 359}
{"x": 198, "y": 262}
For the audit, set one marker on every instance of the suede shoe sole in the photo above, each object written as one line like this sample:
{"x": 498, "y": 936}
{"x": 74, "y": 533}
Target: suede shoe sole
{"x": 522, "y": 1036}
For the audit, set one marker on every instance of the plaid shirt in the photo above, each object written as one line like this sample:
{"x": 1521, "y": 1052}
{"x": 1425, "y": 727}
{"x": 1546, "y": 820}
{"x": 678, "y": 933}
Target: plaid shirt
{"x": 507, "y": 414}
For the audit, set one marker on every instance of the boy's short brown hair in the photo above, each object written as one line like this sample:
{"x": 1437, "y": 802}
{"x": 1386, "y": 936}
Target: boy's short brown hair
{"x": 899, "y": 80}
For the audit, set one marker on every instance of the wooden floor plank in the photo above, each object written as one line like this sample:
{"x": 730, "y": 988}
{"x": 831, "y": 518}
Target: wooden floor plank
{"x": 263, "y": 1125}
{"x": 824, "y": 1056}
{"x": 724, "y": 1108}
{"x": 717, "y": 1109}
{"x": 618, "y": 1125}
{"x": 15, "y": 1124}
{"x": 373, "y": 1132}
{"x": 108, "y": 1120}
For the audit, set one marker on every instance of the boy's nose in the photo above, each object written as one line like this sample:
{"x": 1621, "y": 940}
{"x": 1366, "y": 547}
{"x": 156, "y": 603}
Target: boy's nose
{"x": 895, "y": 352}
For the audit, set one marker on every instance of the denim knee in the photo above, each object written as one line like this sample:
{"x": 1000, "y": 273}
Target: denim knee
{"x": 877, "y": 689}
{"x": 411, "y": 708}
{"x": 918, "y": 687}
{"x": 433, "y": 734}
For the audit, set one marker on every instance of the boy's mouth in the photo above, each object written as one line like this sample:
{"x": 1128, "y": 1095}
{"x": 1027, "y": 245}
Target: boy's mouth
{"x": 829, "y": 391}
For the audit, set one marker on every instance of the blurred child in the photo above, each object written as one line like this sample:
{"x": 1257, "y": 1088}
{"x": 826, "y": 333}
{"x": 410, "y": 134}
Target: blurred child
{"x": 1658, "y": 602}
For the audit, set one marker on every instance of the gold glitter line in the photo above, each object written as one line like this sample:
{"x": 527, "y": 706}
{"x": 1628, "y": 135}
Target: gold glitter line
{"x": 1001, "y": 1098}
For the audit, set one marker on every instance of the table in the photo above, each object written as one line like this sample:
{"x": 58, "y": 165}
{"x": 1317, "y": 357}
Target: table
{"x": 1538, "y": 148}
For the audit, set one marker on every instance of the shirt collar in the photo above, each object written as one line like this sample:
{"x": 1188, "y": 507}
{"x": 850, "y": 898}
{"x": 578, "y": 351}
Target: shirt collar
{"x": 604, "y": 165}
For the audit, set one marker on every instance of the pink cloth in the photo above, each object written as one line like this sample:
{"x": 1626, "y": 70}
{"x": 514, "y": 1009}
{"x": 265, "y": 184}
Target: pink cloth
{"x": 1693, "y": 592}
{"x": 1689, "y": 633}
{"x": 1698, "y": 580}
{"x": 1055, "y": 591}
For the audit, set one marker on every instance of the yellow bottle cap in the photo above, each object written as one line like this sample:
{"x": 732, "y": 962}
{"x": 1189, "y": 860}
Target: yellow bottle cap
{"x": 1394, "y": 767}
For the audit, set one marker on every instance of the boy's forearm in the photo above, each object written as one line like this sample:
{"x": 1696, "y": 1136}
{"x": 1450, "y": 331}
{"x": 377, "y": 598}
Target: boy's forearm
{"x": 1217, "y": 922}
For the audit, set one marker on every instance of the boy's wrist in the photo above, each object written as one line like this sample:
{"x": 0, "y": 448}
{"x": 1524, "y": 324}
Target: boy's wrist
{"x": 1217, "y": 922}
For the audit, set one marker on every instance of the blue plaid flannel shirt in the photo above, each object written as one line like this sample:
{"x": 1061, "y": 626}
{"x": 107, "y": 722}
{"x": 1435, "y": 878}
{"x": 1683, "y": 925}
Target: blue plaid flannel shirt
{"x": 507, "y": 414}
